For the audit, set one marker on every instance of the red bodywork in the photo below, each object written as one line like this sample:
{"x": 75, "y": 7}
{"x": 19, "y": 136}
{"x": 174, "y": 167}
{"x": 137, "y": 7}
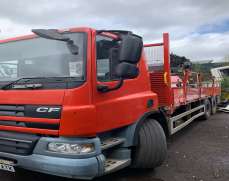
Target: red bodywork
{"x": 86, "y": 111}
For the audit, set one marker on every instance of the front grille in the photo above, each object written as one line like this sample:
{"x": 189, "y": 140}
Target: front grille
{"x": 17, "y": 143}
{"x": 38, "y": 119}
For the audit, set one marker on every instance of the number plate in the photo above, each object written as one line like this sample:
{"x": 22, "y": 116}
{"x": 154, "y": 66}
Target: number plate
{"x": 8, "y": 168}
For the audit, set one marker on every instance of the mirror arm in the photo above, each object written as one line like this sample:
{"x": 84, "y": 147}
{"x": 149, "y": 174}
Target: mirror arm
{"x": 105, "y": 88}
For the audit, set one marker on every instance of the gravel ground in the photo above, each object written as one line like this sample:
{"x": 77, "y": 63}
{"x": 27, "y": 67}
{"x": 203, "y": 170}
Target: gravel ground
{"x": 197, "y": 153}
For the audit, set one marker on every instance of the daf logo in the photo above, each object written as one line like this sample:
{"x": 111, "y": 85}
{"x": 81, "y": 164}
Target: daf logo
{"x": 47, "y": 109}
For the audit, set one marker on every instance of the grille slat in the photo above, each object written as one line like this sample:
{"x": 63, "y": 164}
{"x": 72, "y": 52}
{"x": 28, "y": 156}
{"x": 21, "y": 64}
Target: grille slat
{"x": 11, "y": 113}
{"x": 54, "y": 126}
{"x": 14, "y": 144}
{"x": 17, "y": 143}
{"x": 12, "y": 110}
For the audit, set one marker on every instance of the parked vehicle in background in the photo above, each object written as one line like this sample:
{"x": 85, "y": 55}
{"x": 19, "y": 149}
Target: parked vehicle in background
{"x": 82, "y": 103}
{"x": 220, "y": 72}
{"x": 222, "y": 75}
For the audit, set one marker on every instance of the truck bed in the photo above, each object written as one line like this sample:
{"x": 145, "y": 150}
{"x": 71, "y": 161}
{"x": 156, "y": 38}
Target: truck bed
{"x": 170, "y": 94}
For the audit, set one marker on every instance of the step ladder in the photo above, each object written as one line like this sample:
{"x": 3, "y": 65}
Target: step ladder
{"x": 111, "y": 142}
{"x": 115, "y": 163}
{"x": 112, "y": 165}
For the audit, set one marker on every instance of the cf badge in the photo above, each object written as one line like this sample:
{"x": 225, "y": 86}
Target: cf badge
{"x": 47, "y": 109}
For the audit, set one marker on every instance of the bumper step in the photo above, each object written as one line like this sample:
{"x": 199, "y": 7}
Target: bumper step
{"x": 112, "y": 165}
{"x": 111, "y": 142}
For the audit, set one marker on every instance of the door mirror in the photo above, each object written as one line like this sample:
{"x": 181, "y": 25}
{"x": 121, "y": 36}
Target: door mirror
{"x": 130, "y": 48}
{"x": 123, "y": 56}
{"x": 127, "y": 71}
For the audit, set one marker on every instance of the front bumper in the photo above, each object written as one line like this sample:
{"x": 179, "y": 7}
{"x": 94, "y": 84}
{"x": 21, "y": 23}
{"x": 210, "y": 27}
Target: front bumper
{"x": 80, "y": 167}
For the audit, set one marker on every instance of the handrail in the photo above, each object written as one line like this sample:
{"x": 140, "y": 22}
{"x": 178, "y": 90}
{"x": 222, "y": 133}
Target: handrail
{"x": 153, "y": 44}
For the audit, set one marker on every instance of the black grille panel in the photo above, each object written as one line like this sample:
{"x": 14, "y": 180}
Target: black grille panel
{"x": 17, "y": 143}
{"x": 46, "y": 111}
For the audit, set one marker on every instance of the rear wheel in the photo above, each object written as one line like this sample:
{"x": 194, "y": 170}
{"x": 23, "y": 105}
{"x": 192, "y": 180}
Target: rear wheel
{"x": 207, "y": 112}
{"x": 213, "y": 105}
{"x": 151, "y": 150}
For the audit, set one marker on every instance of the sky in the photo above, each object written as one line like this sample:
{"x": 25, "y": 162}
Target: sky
{"x": 199, "y": 29}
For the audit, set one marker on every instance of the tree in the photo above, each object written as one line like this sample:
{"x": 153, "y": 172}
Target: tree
{"x": 177, "y": 62}
{"x": 225, "y": 88}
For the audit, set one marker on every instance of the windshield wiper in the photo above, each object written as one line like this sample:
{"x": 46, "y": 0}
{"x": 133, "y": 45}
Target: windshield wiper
{"x": 27, "y": 85}
{"x": 12, "y": 85}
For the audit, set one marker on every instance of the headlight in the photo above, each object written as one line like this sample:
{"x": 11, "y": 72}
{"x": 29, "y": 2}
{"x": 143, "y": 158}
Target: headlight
{"x": 67, "y": 148}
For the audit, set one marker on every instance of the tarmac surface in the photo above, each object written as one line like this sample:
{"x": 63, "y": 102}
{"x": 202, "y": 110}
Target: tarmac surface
{"x": 200, "y": 152}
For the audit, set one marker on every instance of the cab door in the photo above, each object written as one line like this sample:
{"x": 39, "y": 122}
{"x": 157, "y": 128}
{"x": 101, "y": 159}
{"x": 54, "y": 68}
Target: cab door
{"x": 122, "y": 106}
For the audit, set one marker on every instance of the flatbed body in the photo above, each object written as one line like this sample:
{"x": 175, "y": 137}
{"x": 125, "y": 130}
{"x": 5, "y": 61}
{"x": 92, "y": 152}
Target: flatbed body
{"x": 172, "y": 89}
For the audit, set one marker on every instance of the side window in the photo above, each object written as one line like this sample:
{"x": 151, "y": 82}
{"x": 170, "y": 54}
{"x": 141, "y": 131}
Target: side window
{"x": 106, "y": 58}
{"x": 155, "y": 57}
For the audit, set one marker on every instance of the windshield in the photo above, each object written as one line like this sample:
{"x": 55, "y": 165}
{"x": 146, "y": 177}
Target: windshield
{"x": 39, "y": 57}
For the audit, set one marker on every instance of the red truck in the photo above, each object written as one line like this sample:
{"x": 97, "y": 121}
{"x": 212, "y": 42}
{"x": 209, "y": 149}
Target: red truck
{"x": 82, "y": 103}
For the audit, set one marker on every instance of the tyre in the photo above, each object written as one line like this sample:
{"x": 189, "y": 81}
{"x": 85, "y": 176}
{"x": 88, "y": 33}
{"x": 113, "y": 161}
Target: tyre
{"x": 151, "y": 150}
{"x": 207, "y": 112}
{"x": 213, "y": 106}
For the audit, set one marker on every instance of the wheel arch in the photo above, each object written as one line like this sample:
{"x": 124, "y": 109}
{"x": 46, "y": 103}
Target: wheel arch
{"x": 162, "y": 119}
{"x": 131, "y": 132}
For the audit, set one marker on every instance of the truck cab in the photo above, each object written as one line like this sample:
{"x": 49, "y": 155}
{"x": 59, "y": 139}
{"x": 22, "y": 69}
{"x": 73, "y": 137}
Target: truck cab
{"x": 69, "y": 98}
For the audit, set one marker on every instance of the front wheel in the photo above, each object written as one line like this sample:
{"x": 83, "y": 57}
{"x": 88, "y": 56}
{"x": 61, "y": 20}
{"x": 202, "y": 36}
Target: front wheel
{"x": 151, "y": 150}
